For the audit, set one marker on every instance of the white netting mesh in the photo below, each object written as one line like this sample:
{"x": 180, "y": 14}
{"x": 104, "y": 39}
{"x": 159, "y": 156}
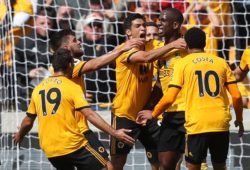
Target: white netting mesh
{"x": 25, "y": 48}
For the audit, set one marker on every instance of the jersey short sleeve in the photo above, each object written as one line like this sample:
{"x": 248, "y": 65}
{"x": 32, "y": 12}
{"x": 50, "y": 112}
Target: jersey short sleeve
{"x": 77, "y": 68}
{"x": 230, "y": 78}
{"x": 124, "y": 58}
{"x": 32, "y": 107}
{"x": 79, "y": 99}
{"x": 245, "y": 60}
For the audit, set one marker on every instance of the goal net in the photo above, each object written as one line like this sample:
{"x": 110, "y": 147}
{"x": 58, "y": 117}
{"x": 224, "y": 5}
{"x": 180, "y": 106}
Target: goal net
{"x": 26, "y": 26}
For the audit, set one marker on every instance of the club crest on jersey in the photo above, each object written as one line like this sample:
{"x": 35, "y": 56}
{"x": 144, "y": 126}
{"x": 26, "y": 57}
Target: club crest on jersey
{"x": 149, "y": 154}
{"x": 101, "y": 149}
{"x": 76, "y": 61}
{"x": 120, "y": 145}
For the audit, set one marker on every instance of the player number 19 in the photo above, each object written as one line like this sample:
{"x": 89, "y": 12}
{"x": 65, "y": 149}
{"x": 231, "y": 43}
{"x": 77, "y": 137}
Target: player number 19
{"x": 47, "y": 97}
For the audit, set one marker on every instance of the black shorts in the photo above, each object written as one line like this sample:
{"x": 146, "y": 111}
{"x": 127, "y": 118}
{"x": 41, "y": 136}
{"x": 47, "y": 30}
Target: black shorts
{"x": 82, "y": 159}
{"x": 172, "y": 133}
{"x": 198, "y": 144}
{"x": 148, "y": 135}
{"x": 95, "y": 143}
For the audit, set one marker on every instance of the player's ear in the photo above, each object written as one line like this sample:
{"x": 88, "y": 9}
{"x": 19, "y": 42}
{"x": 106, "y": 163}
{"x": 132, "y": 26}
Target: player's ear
{"x": 66, "y": 47}
{"x": 176, "y": 25}
{"x": 128, "y": 32}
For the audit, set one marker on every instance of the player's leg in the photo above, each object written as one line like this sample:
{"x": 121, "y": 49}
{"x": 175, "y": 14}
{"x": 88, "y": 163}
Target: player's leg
{"x": 171, "y": 144}
{"x": 88, "y": 158}
{"x": 178, "y": 165}
{"x": 218, "y": 147}
{"x": 118, "y": 149}
{"x": 149, "y": 137}
{"x": 196, "y": 150}
{"x": 118, "y": 161}
{"x": 61, "y": 163}
{"x": 95, "y": 143}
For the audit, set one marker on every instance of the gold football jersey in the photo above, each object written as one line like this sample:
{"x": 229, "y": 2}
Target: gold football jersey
{"x": 54, "y": 103}
{"x": 203, "y": 77}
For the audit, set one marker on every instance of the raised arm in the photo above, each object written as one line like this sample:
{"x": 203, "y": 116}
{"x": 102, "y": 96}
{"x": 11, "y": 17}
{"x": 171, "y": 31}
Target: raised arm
{"x": 101, "y": 124}
{"x": 99, "y": 62}
{"x": 26, "y": 126}
{"x": 152, "y": 55}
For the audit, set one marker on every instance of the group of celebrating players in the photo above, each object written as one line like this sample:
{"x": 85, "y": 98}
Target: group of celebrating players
{"x": 190, "y": 93}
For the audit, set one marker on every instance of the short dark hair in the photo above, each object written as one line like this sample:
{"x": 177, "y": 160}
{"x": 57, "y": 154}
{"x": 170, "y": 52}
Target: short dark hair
{"x": 58, "y": 38}
{"x": 47, "y": 11}
{"x": 195, "y": 38}
{"x": 50, "y": 13}
{"x": 153, "y": 24}
{"x": 61, "y": 60}
{"x": 131, "y": 17}
{"x": 176, "y": 15}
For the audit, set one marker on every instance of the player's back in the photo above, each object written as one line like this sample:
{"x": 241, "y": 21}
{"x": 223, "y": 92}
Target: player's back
{"x": 207, "y": 106}
{"x": 54, "y": 101}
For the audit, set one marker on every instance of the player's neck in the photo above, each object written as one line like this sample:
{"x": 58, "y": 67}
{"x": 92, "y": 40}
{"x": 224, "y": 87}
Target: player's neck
{"x": 169, "y": 39}
{"x": 59, "y": 73}
{"x": 195, "y": 50}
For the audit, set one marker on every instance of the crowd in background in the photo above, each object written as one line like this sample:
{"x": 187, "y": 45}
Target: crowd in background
{"x": 26, "y": 26}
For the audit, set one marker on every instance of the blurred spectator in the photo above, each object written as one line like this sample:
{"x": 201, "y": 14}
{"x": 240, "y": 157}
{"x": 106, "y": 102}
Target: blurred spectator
{"x": 3, "y": 11}
{"x": 111, "y": 9}
{"x": 15, "y": 22}
{"x": 64, "y": 17}
{"x": 241, "y": 11}
{"x": 152, "y": 31}
{"x": 20, "y": 15}
{"x": 91, "y": 31}
{"x": 202, "y": 16}
{"x": 223, "y": 12}
{"x": 150, "y": 10}
{"x": 181, "y": 5}
{"x": 32, "y": 56}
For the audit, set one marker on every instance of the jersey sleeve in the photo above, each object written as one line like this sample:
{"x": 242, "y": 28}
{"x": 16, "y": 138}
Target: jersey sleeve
{"x": 245, "y": 60}
{"x": 32, "y": 106}
{"x": 79, "y": 98}
{"x": 230, "y": 78}
{"x": 77, "y": 68}
{"x": 124, "y": 58}
{"x": 154, "y": 44}
{"x": 177, "y": 79}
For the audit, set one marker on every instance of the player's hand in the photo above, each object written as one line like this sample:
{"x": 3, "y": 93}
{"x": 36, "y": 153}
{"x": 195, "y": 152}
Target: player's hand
{"x": 241, "y": 127}
{"x": 143, "y": 116}
{"x": 35, "y": 72}
{"x": 17, "y": 138}
{"x": 89, "y": 97}
{"x": 134, "y": 43}
{"x": 110, "y": 14}
{"x": 121, "y": 135}
{"x": 179, "y": 44}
